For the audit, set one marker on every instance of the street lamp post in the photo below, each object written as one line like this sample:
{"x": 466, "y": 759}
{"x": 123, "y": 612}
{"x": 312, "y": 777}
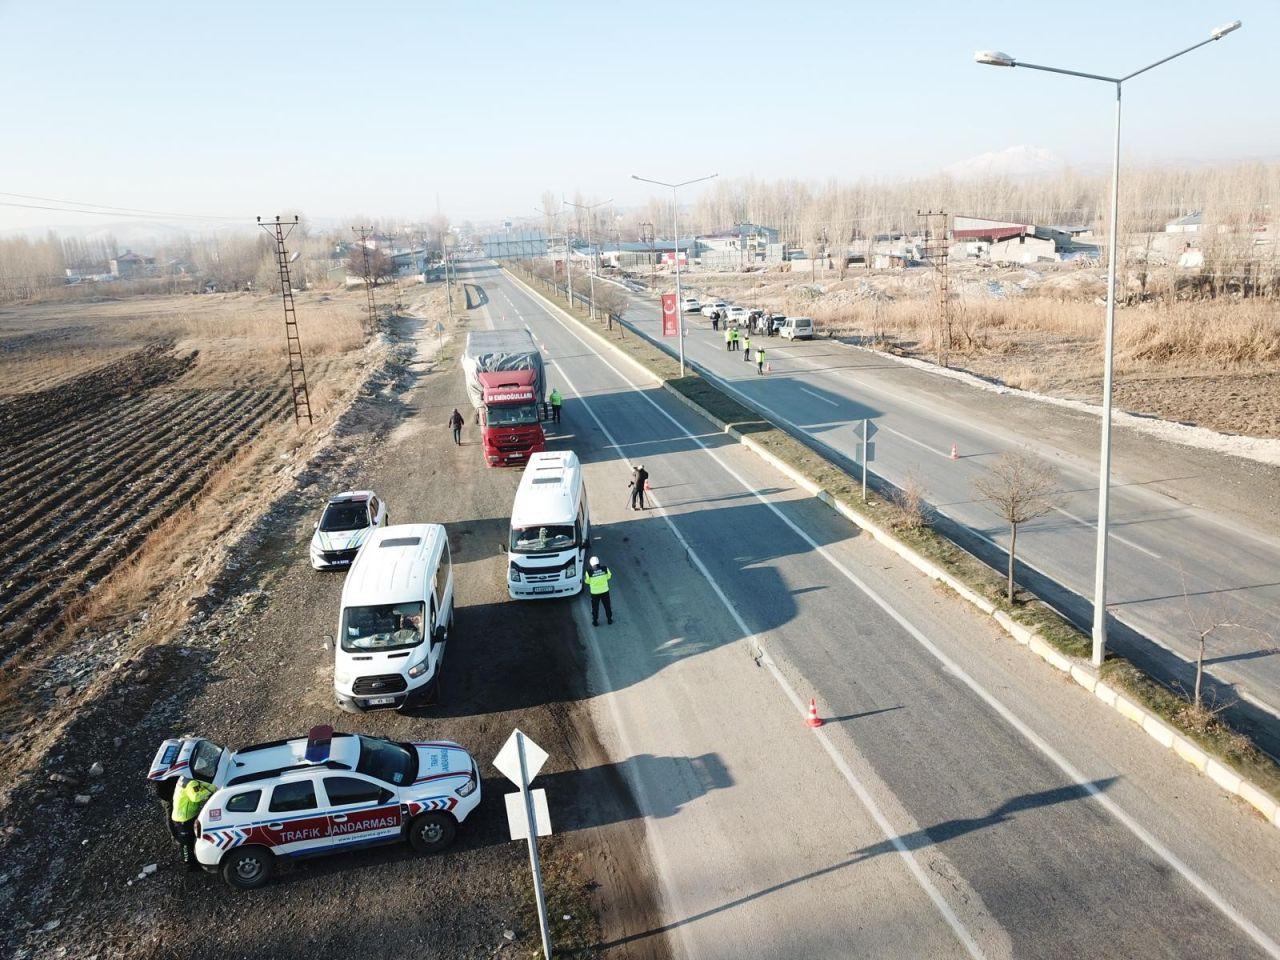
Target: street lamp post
{"x": 675, "y": 240}
{"x": 996, "y": 59}
{"x": 592, "y": 274}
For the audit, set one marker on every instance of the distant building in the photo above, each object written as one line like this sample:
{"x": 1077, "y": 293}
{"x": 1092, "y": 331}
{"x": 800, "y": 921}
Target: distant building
{"x": 1004, "y": 241}
{"x": 130, "y": 265}
{"x": 1191, "y": 223}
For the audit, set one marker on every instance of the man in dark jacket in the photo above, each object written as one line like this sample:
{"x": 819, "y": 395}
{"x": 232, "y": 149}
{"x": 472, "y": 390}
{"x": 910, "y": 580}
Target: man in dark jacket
{"x": 455, "y": 424}
{"x": 639, "y": 481}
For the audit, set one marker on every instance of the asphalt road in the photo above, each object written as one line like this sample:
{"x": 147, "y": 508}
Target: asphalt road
{"x": 960, "y": 801}
{"x": 1181, "y": 557}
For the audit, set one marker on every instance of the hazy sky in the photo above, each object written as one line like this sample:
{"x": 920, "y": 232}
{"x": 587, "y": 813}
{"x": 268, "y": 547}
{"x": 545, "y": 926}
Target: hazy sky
{"x": 243, "y": 108}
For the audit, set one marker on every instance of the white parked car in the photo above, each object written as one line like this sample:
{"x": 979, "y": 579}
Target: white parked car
{"x": 715, "y": 307}
{"x": 690, "y": 305}
{"x": 344, "y": 526}
{"x": 315, "y": 795}
{"x": 738, "y": 315}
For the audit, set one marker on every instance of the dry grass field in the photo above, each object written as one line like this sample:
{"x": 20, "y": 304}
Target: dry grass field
{"x": 1214, "y": 363}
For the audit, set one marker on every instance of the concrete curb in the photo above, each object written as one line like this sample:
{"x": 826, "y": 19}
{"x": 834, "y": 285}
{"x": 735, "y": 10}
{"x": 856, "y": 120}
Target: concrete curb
{"x": 1079, "y": 671}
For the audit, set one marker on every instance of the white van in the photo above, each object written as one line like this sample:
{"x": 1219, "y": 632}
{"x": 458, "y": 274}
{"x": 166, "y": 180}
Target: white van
{"x": 797, "y": 328}
{"x": 550, "y": 528}
{"x": 397, "y": 611}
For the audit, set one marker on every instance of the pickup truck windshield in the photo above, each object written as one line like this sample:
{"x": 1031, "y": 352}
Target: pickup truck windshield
{"x": 513, "y": 416}
{"x": 541, "y": 539}
{"x": 381, "y": 627}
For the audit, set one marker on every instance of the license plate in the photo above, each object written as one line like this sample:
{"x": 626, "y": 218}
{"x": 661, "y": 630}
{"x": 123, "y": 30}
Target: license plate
{"x": 342, "y": 563}
{"x": 544, "y": 589}
{"x": 380, "y": 701}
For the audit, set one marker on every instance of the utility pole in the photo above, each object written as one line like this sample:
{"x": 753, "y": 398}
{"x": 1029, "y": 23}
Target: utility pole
{"x": 364, "y": 232}
{"x": 937, "y": 251}
{"x": 647, "y": 236}
{"x": 589, "y": 207}
{"x": 297, "y": 371}
{"x": 448, "y": 290}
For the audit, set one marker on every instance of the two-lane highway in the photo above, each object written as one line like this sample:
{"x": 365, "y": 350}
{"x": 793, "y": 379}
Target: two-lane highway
{"x": 1174, "y": 568}
{"x": 960, "y": 801}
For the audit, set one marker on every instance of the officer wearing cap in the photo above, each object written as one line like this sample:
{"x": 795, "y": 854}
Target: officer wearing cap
{"x": 597, "y": 580}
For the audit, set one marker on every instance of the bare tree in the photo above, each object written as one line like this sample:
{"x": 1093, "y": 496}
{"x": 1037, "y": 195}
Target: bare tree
{"x": 1017, "y": 488}
{"x": 611, "y": 301}
{"x": 1204, "y": 626}
{"x": 373, "y": 265}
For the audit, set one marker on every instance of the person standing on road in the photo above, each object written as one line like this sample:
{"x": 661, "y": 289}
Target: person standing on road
{"x": 760, "y": 360}
{"x": 737, "y": 339}
{"x": 639, "y": 482}
{"x": 728, "y": 337}
{"x": 455, "y": 424}
{"x": 746, "y": 346}
{"x": 187, "y": 802}
{"x": 715, "y": 320}
{"x": 597, "y": 579}
{"x": 556, "y": 400}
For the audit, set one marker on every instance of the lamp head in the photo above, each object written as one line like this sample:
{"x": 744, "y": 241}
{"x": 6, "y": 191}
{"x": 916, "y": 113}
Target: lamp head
{"x": 994, "y": 58}
{"x": 1223, "y": 30}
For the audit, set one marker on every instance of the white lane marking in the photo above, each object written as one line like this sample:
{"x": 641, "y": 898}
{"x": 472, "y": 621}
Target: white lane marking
{"x": 863, "y": 795}
{"x": 918, "y": 443}
{"x": 819, "y": 396}
{"x": 1154, "y": 845}
{"x": 1114, "y": 536}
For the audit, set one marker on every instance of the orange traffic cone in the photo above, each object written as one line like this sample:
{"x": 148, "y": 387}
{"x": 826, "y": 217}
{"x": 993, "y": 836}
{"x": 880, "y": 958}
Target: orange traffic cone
{"x": 955, "y": 455}
{"x": 813, "y": 720}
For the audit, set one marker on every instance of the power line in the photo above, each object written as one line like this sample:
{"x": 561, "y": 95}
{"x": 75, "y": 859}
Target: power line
{"x": 80, "y": 206}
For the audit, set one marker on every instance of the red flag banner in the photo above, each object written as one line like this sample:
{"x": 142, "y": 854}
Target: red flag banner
{"x": 670, "y": 315}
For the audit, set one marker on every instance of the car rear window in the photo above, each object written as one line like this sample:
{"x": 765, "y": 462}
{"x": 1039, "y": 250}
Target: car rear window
{"x": 246, "y": 802}
{"x": 288, "y": 797}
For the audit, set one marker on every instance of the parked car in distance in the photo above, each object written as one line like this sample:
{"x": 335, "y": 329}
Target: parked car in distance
{"x": 797, "y": 328}
{"x": 714, "y": 308}
{"x": 690, "y": 305}
{"x": 344, "y": 526}
{"x": 774, "y": 322}
{"x": 738, "y": 315}
{"x": 318, "y": 794}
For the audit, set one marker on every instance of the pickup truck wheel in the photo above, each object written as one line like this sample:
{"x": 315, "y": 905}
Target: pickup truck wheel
{"x": 246, "y": 868}
{"x": 431, "y": 832}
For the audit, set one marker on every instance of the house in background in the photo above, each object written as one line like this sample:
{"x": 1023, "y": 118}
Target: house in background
{"x": 130, "y": 265}
{"x": 1004, "y": 241}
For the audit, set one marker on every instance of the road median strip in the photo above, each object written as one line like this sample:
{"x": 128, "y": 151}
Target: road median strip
{"x": 1224, "y": 754}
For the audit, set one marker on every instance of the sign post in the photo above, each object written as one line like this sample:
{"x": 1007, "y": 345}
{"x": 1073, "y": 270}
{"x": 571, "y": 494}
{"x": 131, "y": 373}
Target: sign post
{"x": 670, "y": 315}
{"x": 519, "y": 761}
{"x": 866, "y": 431}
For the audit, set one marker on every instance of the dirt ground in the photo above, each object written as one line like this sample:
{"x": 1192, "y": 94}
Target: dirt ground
{"x": 1055, "y": 350}
{"x": 247, "y": 665}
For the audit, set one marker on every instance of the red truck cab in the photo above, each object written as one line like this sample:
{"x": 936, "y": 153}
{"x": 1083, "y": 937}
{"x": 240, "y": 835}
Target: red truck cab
{"x": 510, "y": 417}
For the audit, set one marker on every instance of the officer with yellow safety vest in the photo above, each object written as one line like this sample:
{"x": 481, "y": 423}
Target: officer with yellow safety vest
{"x": 597, "y": 579}
{"x": 187, "y": 803}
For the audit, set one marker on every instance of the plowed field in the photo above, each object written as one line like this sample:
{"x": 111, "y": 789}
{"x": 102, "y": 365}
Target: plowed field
{"x": 88, "y": 468}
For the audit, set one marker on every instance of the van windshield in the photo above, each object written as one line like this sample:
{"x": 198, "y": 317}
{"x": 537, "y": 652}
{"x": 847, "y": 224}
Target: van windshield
{"x": 511, "y": 416}
{"x": 383, "y": 626}
{"x": 542, "y": 539}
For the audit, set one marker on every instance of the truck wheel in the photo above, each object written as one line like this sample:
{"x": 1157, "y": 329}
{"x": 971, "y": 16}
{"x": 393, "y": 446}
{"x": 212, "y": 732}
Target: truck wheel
{"x": 431, "y": 832}
{"x": 246, "y": 868}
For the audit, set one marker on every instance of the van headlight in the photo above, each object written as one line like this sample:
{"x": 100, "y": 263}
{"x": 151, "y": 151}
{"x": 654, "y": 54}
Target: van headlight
{"x": 514, "y": 575}
{"x": 342, "y": 678}
{"x": 571, "y": 570}
{"x": 419, "y": 668}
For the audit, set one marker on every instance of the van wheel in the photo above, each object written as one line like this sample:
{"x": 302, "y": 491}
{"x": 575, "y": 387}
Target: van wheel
{"x": 246, "y": 868}
{"x": 431, "y": 832}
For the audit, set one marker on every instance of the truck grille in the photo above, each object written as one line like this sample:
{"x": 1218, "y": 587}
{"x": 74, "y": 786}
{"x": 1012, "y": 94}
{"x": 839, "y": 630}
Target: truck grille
{"x": 379, "y": 685}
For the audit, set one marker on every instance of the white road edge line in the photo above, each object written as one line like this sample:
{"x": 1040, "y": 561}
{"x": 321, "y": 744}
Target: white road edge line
{"x": 1159, "y": 849}
{"x": 751, "y": 638}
